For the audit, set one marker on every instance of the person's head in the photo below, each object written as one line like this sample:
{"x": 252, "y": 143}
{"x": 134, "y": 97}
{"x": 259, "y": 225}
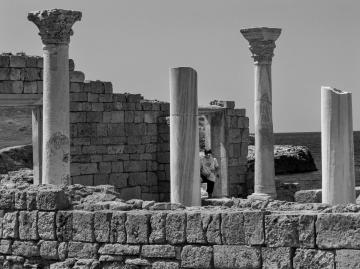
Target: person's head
{"x": 207, "y": 152}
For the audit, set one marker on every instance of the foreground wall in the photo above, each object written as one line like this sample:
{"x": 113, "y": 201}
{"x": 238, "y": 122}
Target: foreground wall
{"x": 119, "y": 138}
{"x": 38, "y": 228}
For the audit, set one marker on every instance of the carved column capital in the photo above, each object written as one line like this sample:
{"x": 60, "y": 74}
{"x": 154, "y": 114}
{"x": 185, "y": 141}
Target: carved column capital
{"x": 55, "y": 24}
{"x": 261, "y": 43}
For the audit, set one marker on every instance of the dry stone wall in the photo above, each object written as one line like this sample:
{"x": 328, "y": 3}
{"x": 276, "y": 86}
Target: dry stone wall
{"x": 120, "y": 138}
{"x": 43, "y": 229}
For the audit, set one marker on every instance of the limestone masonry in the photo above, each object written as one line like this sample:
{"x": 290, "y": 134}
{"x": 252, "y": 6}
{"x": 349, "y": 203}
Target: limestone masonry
{"x": 122, "y": 139}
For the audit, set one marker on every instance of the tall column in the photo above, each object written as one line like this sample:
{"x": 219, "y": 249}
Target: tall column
{"x": 37, "y": 124}
{"x": 337, "y": 147}
{"x": 184, "y": 137}
{"x": 262, "y": 45}
{"x": 55, "y": 31}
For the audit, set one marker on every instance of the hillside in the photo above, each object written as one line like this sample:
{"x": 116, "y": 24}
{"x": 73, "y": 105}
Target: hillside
{"x": 15, "y": 126}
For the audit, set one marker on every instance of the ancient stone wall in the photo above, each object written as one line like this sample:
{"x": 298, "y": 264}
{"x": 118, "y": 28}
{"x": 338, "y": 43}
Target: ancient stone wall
{"x": 42, "y": 226}
{"x": 120, "y": 138}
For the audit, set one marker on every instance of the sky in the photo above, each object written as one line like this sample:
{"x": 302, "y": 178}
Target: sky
{"x": 134, "y": 43}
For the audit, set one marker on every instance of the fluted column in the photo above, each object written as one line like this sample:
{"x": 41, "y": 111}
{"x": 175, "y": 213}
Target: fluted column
{"x": 184, "y": 137}
{"x": 337, "y": 147}
{"x": 262, "y": 45}
{"x": 55, "y": 31}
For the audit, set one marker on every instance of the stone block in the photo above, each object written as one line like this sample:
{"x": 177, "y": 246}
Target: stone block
{"x": 118, "y": 249}
{"x": 196, "y": 257}
{"x": 165, "y": 265}
{"x": 5, "y": 246}
{"x": 276, "y": 258}
{"x": 82, "y": 250}
{"x": 17, "y": 61}
{"x": 102, "y": 221}
{"x": 10, "y": 225}
{"x": 137, "y": 227}
{"x": 347, "y": 258}
{"x": 32, "y": 74}
{"x": 52, "y": 199}
{"x": 236, "y": 257}
{"x": 4, "y": 60}
{"x": 83, "y": 226}
{"x": 31, "y": 200}
{"x": 46, "y": 225}
{"x": 64, "y": 223}
{"x": 211, "y": 224}
{"x": 254, "y": 227}
{"x": 62, "y": 250}
{"x": 10, "y": 74}
{"x": 232, "y": 228}
{"x": 175, "y": 228}
{"x": 119, "y": 180}
{"x": 338, "y": 230}
{"x": 131, "y": 192}
{"x": 308, "y": 196}
{"x": 194, "y": 228}
{"x": 117, "y": 229}
{"x": 307, "y": 230}
{"x": 49, "y": 250}
{"x": 314, "y": 259}
{"x": 282, "y": 230}
{"x": 7, "y": 200}
{"x": 157, "y": 223}
{"x": 137, "y": 179}
{"x": 158, "y": 251}
{"x": 76, "y": 76}
{"x": 11, "y": 86}
{"x": 28, "y": 225}
{"x": 25, "y": 249}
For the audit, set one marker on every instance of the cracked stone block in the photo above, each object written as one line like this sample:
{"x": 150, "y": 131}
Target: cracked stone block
{"x": 137, "y": 227}
{"x": 157, "y": 223}
{"x": 314, "y": 259}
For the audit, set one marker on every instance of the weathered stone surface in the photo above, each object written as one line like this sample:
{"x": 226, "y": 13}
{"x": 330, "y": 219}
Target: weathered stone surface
{"x": 49, "y": 250}
{"x": 25, "y": 248}
{"x": 254, "y": 227}
{"x": 237, "y": 257}
{"x": 194, "y": 229}
{"x": 157, "y": 223}
{"x": 28, "y": 225}
{"x": 158, "y": 251}
{"x": 10, "y": 226}
{"x": 83, "y": 226}
{"x": 165, "y": 265}
{"x": 314, "y": 259}
{"x": 46, "y": 225}
{"x": 282, "y": 230}
{"x": 307, "y": 230}
{"x": 20, "y": 200}
{"x": 137, "y": 227}
{"x": 117, "y": 229}
{"x": 338, "y": 230}
{"x": 118, "y": 249}
{"x": 196, "y": 257}
{"x": 5, "y": 246}
{"x": 64, "y": 224}
{"x": 232, "y": 228}
{"x": 308, "y": 196}
{"x": 175, "y": 227}
{"x": 102, "y": 221}
{"x": 82, "y": 250}
{"x": 279, "y": 258}
{"x": 347, "y": 258}
{"x": 52, "y": 199}
{"x": 7, "y": 199}
{"x": 211, "y": 225}
{"x": 63, "y": 250}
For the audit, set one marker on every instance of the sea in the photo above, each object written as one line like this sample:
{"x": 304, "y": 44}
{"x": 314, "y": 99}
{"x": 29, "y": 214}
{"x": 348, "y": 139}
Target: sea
{"x": 312, "y": 140}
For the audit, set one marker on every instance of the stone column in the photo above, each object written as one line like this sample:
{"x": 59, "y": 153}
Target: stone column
{"x": 262, "y": 45}
{"x": 337, "y": 147}
{"x": 55, "y": 31}
{"x": 37, "y": 124}
{"x": 184, "y": 137}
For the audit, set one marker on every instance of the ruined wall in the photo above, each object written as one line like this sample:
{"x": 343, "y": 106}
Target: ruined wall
{"x": 39, "y": 228}
{"x": 119, "y": 138}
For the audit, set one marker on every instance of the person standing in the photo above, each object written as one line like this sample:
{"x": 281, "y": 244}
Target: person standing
{"x": 208, "y": 171}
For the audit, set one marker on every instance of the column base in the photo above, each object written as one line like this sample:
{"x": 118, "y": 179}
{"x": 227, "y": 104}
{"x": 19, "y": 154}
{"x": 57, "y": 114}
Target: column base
{"x": 260, "y": 196}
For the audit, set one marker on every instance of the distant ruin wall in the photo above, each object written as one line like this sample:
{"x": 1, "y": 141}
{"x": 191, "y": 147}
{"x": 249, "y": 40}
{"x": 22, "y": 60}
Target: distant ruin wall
{"x": 39, "y": 228}
{"x": 122, "y": 139}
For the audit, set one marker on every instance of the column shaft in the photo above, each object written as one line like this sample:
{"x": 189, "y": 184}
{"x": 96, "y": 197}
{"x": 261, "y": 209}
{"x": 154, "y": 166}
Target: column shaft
{"x": 337, "y": 147}
{"x": 37, "y": 124}
{"x": 56, "y": 115}
{"x": 264, "y": 137}
{"x": 184, "y": 137}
